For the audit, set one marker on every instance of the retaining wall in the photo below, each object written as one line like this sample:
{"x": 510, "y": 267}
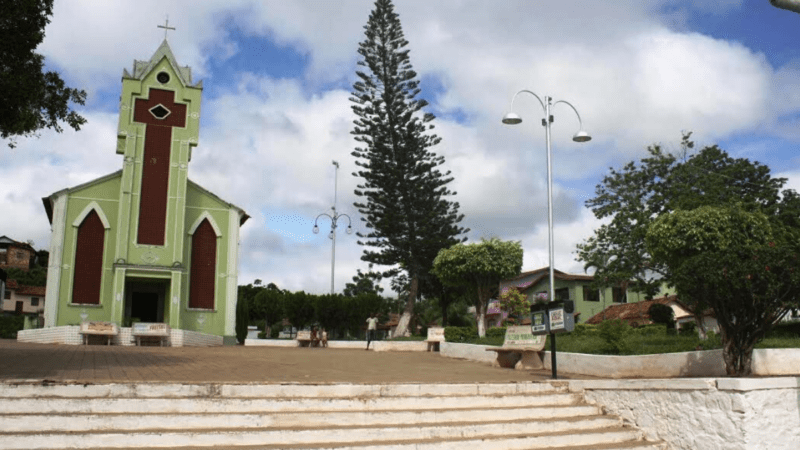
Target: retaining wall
{"x": 766, "y": 362}
{"x": 70, "y": 335}
{"x": 378, "y": 346}
{"x": 705, "y": 414}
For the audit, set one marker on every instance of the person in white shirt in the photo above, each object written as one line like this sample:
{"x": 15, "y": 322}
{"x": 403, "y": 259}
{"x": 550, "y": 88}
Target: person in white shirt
{"x": 372, "y": 326}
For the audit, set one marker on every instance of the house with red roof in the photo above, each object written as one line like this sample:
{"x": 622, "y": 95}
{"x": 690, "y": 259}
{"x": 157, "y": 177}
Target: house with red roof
{"x": 22, "y": 299}
{"x": 636, "y": 314}
{"x": 576, "y": 287}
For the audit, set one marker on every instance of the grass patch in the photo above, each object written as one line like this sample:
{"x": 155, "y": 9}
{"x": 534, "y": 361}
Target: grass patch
{"x": 408, "y": 338}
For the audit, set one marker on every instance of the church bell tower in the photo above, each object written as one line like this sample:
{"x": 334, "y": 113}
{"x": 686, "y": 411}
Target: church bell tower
{"x": 158, "y": 128}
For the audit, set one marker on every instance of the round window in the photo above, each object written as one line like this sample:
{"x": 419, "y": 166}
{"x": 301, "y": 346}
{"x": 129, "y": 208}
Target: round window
{"x": 162, "y": 77}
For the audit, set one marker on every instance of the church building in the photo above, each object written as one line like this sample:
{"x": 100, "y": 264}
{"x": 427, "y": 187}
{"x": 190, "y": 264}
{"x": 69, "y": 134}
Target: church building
{"x": 146, "y": 243}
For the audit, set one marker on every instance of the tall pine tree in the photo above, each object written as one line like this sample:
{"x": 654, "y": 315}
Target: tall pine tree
{"x": 404, "y": 195}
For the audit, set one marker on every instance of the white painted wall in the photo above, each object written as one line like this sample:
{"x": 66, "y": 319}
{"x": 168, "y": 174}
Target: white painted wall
{"x": 705, "y": 414}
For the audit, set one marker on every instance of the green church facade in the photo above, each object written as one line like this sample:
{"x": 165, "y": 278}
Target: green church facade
{"x": 145, "y": 243}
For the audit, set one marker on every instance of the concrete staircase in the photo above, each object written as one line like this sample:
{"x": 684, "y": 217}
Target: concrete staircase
{"x": 341, "y": 416}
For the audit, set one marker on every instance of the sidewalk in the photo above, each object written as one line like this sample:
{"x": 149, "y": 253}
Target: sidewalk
{"x": 239, "y": 364}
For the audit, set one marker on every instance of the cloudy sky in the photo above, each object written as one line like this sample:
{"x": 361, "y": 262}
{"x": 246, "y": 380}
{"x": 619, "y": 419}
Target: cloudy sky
{"x": 277, "y": 76}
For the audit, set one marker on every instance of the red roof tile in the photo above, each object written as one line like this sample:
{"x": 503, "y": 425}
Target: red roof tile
{"x": 629, "y": 312}
{"x": 21, "y": 289}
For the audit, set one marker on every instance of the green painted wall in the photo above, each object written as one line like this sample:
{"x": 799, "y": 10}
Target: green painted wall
{"x": 586, "y": 308}
{"x": 117, "y": 197}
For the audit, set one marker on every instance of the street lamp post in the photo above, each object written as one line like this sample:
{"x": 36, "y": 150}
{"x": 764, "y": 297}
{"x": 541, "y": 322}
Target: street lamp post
{"x": 334, "y": 219}
{"x": 581, "y": 136}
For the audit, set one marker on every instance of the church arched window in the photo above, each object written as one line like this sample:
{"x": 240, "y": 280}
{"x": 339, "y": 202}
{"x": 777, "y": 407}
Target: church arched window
{"x": 89, "y": 260}
{"x": 202, "y": 275}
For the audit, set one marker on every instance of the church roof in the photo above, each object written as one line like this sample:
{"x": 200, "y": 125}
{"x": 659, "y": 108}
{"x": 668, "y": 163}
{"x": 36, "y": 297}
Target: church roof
{"x": 48, "y": 201}
{"x": 48, "y": 205}
{"x": 142, "y": 68}
{"x": 213, "y": 195}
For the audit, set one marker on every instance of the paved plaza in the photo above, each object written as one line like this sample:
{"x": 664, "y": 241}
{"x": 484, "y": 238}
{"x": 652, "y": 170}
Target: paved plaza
{"x": 239, "y": 364}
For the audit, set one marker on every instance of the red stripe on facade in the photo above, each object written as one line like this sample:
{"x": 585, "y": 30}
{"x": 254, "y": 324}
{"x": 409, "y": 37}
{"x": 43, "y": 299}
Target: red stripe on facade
{"x": 89, "y": 261}
{"x": 156, "y": 162}
{"x": 203, "y": 269}
{"x": 155, "y": 181}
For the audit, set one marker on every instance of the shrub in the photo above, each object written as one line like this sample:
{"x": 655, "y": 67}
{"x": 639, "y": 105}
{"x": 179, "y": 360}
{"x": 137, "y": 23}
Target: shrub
{"x": 649, "y": 330}
{"x": 688, "y": 329}
{"x": 460, "y": 334}
{"x": 584, "y": 329}
{"x": 242, "y": 319}
{"x": 785, "y": 329}
{"x": 9, "y": 325}
{"x": 496, "y": 332}
{"x": 613, "y": 332}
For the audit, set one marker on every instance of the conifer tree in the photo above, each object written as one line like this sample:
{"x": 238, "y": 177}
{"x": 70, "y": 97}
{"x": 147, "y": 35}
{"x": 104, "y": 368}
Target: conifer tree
{"x": 404, "y": 196}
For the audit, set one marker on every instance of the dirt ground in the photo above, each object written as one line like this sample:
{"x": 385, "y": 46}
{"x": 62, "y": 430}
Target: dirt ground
{"x": 239, "y": 364}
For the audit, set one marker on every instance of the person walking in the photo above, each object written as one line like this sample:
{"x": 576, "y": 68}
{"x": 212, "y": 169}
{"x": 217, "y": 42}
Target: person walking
{"x": 372, "y": 326}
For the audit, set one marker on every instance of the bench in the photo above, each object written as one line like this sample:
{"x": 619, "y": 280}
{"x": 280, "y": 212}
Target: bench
{"x": 150, "y": 331}
{"x": 435, "y": 336}
{"x": 304, "y": 339}
{"x": 107, "y": 329}
{"x": 521, "y": 350}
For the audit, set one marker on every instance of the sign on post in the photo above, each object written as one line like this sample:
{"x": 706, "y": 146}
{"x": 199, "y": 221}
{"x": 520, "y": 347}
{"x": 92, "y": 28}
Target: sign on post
{"x": 552, "y": 317}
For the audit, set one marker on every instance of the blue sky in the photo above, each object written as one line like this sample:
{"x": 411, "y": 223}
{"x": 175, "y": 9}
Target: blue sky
{"x": 275, "y": 113}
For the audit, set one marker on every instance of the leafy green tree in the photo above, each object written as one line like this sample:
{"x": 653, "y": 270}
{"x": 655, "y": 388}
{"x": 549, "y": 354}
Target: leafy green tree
{"x": 481, "y": 266}
{"x": 661, "y": 313}
{"x": 242, "y": 319}
{"x": 298, "y": 308}
{"x": 30, "y": 99}
{"x": 740, "y": 263}
{"x": 360, "y": 307}
{"x": 330, "y": 312}
{"x": 364, "y": 282}
{"x": 631, "y": 198}
{"x": 404, "y": 194}
{"x": 36, "y": 276}
{"x": 635, "y": 195}
{"x": 266, "y": 305}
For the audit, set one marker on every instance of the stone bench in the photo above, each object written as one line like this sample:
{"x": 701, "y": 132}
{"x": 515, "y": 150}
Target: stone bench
{"x": 150, "y": 331}
{"x": 521, "y": 350}
{"x": 107, "y": 329}
{"x": 304, "y": 339}
{"x": 435, "y": 336}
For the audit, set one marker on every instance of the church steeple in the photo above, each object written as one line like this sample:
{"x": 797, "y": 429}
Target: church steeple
{"x": 158, "y": 127}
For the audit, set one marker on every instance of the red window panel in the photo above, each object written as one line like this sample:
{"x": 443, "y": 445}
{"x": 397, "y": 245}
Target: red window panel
{"x": 155, "y": 180}
{"x": 203, "y": 269}
{"x": 89, "y": 260}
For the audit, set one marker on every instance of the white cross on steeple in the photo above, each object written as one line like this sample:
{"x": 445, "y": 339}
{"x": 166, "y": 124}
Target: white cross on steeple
{"x": 166, "y": 28}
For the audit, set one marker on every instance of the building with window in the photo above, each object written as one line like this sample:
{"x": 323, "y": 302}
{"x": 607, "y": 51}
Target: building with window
{"x": 576, "y": 287}
{"x": 21, "y": 299}
{"x": 15, "y": 254}
{"x": 146, "y": 243}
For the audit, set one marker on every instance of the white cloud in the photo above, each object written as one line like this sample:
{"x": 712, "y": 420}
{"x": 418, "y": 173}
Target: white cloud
{"x": 636, "y": 74}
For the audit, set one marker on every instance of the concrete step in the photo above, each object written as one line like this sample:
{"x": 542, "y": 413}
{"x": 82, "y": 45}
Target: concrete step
{"x": 80, "y": 422}
{"x": 627, "y": 445}
{"x": 52, "y": 405}
{"x": 361, "y": 417}
{"x": 215, "y": 390}
{"x": 509, "y": 435}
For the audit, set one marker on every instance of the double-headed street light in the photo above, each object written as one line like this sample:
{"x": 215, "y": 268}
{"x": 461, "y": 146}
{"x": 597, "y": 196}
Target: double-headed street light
{"x": 581, "y": 136}
{"x": 334, "y": 219}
